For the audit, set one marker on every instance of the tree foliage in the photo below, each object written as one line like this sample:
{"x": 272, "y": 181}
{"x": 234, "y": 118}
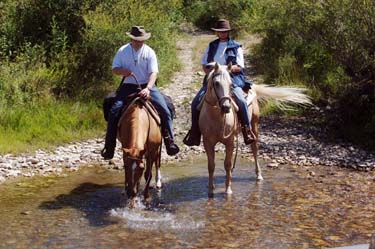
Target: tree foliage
{"x": 71, "y": 44}
{"x": 328, "y": 45}
{"x": 62, "y": 49}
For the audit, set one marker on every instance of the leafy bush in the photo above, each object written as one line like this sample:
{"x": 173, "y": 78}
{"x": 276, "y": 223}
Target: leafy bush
{"x": 329, "y": 45}
{"x": 74, "y": 42}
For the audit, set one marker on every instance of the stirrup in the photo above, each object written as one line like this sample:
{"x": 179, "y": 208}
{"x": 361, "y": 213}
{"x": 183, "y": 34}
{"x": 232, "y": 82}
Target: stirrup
{"x": 172, "y": 149}
{"x": 192, "y": 139}
{"x": 248, "y": 135}
{"x": 106, "y": 154}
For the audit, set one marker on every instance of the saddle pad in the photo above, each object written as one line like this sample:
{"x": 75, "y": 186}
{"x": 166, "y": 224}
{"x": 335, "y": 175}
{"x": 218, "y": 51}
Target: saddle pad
{"x": 147, "y": 104}
{"x": 250, "y": 97}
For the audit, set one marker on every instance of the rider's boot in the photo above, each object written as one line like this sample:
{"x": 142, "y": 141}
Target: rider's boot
{"x": 107, "y": 153}
{"x": 172, "y": 148}
{"x": 193, "y": 137}
{"x": 248, "y": 135}
{"x": 110, "y": 140}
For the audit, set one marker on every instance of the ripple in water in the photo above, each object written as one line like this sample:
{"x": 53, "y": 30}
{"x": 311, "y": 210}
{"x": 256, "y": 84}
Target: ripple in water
{"x": 142, "y": 218}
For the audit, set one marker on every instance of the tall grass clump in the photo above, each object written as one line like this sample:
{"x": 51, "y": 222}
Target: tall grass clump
{"x": 33, "y": 126}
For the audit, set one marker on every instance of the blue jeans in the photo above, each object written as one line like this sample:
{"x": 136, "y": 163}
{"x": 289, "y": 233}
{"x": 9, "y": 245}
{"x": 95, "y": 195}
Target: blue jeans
{"x": 240, "y": 100}
{"x": 194, "y": 107}
{"x": 115, "y": 113}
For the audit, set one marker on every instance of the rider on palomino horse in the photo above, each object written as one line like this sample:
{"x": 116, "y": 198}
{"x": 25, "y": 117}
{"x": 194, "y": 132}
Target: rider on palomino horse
{"x": 223, "y": 50}
{"x": 137, "y": 63}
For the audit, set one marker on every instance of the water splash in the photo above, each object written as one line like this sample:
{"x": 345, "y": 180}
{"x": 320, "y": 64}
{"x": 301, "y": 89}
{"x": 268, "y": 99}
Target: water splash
{"x": 142, "y": 218}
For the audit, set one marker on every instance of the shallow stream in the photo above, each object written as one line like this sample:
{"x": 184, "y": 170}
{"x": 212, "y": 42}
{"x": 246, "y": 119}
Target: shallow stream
{"x": 294, "y": 207}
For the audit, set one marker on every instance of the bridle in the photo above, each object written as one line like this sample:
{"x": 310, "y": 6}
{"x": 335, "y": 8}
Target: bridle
{"x": 219, "y": 99}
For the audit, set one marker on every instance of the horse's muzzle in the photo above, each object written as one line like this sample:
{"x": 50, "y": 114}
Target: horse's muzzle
{"x": 225, "y": 108}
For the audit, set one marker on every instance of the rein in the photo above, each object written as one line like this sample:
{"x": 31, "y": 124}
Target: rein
{"x": 140, "y": 159}
{"x": 219, "y": 102}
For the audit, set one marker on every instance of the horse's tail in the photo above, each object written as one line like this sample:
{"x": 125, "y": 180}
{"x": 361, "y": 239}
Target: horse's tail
{"x": 282, "y": 95}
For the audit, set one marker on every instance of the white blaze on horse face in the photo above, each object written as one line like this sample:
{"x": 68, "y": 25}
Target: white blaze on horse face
{"x": 221, "y": 83}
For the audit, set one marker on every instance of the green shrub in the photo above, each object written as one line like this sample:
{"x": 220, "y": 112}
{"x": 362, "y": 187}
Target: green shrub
{"x": 328, "y": 45}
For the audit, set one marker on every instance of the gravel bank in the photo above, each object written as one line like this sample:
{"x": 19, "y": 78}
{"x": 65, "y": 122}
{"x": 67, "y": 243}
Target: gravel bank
{"x": 282, "y": 141}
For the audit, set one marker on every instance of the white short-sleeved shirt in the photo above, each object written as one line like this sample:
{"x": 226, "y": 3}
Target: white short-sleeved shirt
{"x": 142, "y": 62}
{"x": 220, "y": 55}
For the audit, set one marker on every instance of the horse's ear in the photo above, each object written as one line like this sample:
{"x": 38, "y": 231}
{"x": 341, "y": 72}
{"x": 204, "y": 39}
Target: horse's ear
{"x": 229, "y": 67}
{"x": 216, "y": 66}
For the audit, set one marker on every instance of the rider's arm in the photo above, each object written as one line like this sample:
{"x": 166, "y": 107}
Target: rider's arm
{"x": 121, "y": 71}
{"x": 151, "y": 80}
{"x": 145, "y": 92}
{"x": 235, "y": 69}
{"x": 240, "y": 61}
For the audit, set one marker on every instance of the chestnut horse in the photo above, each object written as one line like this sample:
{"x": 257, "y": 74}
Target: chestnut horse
{"x": 140, "y": 136}
{"x": 218, "y": 119}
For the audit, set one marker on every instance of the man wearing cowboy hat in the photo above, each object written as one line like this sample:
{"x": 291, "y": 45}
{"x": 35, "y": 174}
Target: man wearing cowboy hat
{"x": 223, "y": 50}
{"x": 137, "y": 63}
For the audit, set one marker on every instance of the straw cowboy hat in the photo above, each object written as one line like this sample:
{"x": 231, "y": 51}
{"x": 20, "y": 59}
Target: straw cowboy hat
{"x": 138, "y": 33}
{"x": 222, "y": 25}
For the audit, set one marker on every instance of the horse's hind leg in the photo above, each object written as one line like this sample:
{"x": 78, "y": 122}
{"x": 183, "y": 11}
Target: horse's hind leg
{"x": 158, "y": 174}
{"x": 255, "y": 149}
{"x": 258, "y": 171}
{"x": 254, "y": 145}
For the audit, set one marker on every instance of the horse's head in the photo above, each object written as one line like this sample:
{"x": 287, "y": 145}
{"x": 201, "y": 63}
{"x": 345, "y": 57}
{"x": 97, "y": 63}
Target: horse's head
{"x": 219, "y": 83}
{"x": 134, "y": 167}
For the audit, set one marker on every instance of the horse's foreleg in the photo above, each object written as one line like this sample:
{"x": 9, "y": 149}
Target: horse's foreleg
{"x": 210, "y": 151}
{"x": 148, "y": 176}
{"x": 258, "y": 171}
{"x": 228, "y": 168}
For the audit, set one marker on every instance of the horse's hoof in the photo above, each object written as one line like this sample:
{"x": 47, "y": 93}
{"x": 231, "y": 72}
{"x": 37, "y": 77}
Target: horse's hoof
{"x": 148, "y": 201}
{"x": 132, "y": 204}
{"x": 159, "y": 185}
{"x": 229, "y": 191}
{"x": 260, "y": 178}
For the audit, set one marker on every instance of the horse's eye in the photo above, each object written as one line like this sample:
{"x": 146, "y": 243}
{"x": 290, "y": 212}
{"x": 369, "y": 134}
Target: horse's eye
{"x": 216, "y": 83}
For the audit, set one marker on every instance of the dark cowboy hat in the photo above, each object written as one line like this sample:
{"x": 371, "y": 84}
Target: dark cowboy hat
{"x": 138, "y": 33}
{"x": 222, "y": 25}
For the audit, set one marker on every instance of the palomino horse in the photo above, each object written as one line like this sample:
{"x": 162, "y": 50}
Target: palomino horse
{"x": 218, "y": 121}
{"x": 140, "y": 136}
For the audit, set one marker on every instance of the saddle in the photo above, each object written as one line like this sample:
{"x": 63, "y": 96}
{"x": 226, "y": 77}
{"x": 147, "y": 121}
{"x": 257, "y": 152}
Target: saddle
{"x": 134, "y": 98}
{"x": 249, "y": 96}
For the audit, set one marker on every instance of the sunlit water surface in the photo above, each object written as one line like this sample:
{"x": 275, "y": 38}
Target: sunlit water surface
{"x": 293, "y": 207}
